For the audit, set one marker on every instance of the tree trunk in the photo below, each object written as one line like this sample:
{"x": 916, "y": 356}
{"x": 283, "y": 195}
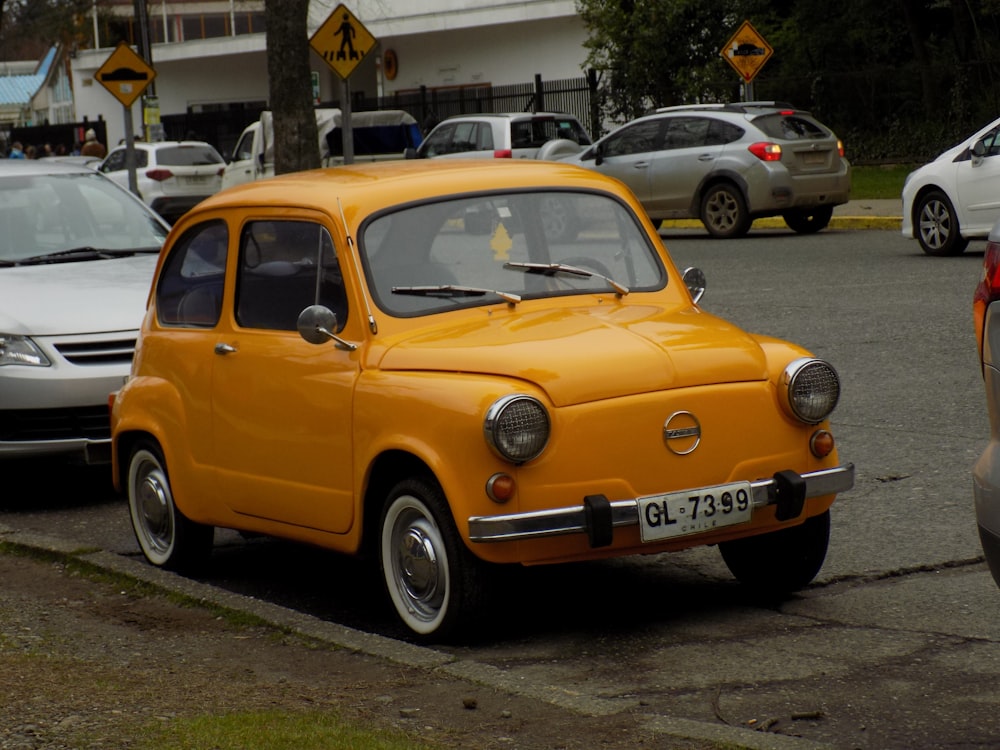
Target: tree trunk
{"x": 296, "y": 144}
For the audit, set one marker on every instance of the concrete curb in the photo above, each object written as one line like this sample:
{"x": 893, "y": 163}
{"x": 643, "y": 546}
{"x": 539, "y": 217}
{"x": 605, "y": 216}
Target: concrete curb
{"x": 894, "y": 223}
{"x": 399, "y": 652}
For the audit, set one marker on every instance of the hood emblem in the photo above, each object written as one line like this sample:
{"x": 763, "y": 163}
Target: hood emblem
{"x": 682, "y": 432}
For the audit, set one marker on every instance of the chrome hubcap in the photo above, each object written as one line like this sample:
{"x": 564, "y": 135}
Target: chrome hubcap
{"x": 154, "y": 508}
{"x": 417, "y": 568}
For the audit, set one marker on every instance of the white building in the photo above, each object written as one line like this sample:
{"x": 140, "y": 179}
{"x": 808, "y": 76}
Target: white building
{"x": 211, "y": 55}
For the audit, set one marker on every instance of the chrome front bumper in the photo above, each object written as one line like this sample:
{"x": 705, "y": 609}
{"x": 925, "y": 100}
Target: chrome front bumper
{"x": 597, "y": 516}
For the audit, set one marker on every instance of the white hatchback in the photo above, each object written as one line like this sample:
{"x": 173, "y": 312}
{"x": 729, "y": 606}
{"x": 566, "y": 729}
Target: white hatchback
{"x": 172, "y": 176}
{"x": 956, "y": 197}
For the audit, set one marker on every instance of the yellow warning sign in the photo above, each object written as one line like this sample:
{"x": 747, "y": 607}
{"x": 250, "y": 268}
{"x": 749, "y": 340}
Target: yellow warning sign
{"x": 343, "y": 41}
{"x": 747, "y": 52}
{"x": 125, "y": 74}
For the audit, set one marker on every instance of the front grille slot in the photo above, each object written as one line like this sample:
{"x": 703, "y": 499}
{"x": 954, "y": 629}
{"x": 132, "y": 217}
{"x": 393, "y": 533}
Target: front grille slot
{"x": 118, "y": 351}
{"x": 28, "y": 425}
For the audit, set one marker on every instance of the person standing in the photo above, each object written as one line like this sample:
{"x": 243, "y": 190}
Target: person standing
{"x": 16, "y": 150}
{"x": 92, "y": 146}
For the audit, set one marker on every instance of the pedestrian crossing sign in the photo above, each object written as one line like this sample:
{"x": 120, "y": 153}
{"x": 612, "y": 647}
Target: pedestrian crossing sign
{"x": 342, "y": 41}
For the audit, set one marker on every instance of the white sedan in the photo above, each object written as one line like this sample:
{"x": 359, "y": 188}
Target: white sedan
{"x": 956, "y": 197}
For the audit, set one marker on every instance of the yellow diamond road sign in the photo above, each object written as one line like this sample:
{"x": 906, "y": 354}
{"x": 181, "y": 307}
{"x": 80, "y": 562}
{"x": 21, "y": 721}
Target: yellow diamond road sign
{"x": 125, "y": 74}
{"x": 342, "y": 41}
{"x": 747, "y": 52}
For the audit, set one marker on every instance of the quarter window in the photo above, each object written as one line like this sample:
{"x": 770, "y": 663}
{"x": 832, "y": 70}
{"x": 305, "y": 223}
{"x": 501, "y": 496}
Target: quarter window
{"x": 189, "y": 292}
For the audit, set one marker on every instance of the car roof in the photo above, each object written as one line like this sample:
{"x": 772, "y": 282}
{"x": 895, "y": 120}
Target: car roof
{"x": 753, "y": 107}
{"x": 509, "y": 116}
{"x": 367, "y": 185}
{"x": 153, "y": 145}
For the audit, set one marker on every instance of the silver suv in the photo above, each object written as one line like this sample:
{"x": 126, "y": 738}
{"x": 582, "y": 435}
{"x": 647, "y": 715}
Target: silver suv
{"x": 728, "y": 164}
{"x": 512, "y": 135}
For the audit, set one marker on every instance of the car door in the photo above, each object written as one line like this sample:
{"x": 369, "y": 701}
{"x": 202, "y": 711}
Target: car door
{"x": 627, "y": 154}
{"x": 685, "y": 157}
{"x": 978, "y": 187}
{"x": 281, "y": 424}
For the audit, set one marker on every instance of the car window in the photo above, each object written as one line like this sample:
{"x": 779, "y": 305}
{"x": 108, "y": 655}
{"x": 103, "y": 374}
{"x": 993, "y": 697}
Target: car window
{"x": 189, "y": 289}
{"x": 116, "y": 160}
{"x": 438, "y": 141}
{"x": 187, "y": 156}
{"x": 720, "y": 133}
{"x": 637, "y": 138}
{"x": 286, "y": 266}
{"x": 414, "y": 254}
{"x": 538, "y": 131}
{"x": 686, "y": 132}
{"x": 244, "y": 149}
{"x": 484, "y": 136}
{"x": 790, "y": 127}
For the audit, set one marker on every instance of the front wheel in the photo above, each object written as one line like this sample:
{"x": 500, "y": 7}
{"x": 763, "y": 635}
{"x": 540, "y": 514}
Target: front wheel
{"x": 780, "y": 562}
{"x": 166, "y": 536}
{"x": 724, "y": 212}
{"x": 434, "y": 582}
{"x": 808, "y": 221}
{"x": 938, "y": 231}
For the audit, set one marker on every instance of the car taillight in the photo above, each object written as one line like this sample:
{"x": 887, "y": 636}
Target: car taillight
{"x": 987, "y": 291}
{"x": 840, "y": 148}
{"x": 159, "y": 174}
{"x": 765, "y": 151}
{"x": 503, "y": 153}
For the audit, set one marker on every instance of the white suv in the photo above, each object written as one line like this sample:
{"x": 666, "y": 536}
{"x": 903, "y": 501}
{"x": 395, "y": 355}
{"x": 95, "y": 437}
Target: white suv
{"x": 511, "y": 135}
{"x": 172, "y": 176}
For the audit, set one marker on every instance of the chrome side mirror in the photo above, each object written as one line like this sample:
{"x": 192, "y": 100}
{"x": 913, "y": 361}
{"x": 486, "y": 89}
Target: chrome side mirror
{"x": 317, "y": 324}
{"x": 694, "y": 280}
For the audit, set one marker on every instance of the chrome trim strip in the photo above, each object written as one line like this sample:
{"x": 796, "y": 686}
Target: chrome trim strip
{"x": 560, "y": 521}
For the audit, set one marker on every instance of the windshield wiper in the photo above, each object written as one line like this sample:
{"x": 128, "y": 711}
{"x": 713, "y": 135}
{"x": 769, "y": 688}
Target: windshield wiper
{"x": 81, "y": 253}
{"x": 551, "y": 269}
{"x": 454, "y": 290}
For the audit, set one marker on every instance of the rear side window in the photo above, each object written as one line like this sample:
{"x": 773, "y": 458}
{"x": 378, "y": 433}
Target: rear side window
{"x": 189, "y": 290}
{"x": 791, "y": 127}
{"x": 187, "y": 156}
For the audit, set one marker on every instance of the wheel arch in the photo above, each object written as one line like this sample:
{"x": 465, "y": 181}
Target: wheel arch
{"x": 716, "y": 178}
{"x": 384, "y": 472}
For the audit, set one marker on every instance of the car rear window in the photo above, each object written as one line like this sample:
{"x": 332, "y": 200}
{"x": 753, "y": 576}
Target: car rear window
{"x": 790, "y": 127}
{"x": 187, "y": 156}
{"x": 540, "y": 130}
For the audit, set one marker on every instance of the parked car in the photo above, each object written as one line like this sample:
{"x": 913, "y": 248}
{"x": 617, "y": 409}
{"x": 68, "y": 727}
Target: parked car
{"x": 172, "y": 176}
{"x": 511, "y": 135}
{"x": 956, "y": 197}
{"x": 77, "y": 255}
{"x": 396, "y": 359}
{"x": 986, "y": 473}
{"x": 728, "y": 164}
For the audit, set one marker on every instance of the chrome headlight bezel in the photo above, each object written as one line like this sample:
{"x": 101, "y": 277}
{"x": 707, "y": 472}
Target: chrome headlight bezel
{"x": 517, "y": 427}
{"x": 811, "y": 389}
{"x": 21, "y": 350}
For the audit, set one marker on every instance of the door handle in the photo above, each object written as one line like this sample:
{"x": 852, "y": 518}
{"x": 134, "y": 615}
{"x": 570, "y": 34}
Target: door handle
{"x": 640, "y": 165}
{"x": 225, "y": 349}
{"x": 706, "y": 157}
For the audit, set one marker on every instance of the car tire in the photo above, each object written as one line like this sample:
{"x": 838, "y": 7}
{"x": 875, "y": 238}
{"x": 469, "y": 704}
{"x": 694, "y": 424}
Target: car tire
{"x": 435, "y": 584}
{"x": 937, "y": 227}
{"x": 782, "y": 561}
{"x": 167, "y": 538}
{"x": 724, "y": 212}
{"x": 808, "y": 221}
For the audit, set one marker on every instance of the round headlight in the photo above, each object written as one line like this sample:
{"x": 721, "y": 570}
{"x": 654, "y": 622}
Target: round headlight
{"x": 813, "y": 389}
{"x": 517, "y": 427}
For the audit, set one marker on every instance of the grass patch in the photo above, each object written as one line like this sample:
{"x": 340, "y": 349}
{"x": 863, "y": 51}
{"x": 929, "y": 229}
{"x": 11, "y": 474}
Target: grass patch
{"x": 879, "y": 181}
{"x": 273, "y": 731}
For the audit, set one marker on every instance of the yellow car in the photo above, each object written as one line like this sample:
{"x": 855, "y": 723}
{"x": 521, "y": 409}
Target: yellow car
{"x": 412, "y": 360}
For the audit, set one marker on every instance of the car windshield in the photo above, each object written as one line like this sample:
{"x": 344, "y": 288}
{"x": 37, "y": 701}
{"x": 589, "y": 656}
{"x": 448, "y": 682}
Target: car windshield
{"x": 47, "y": 215}
{"x": 506, "y": 247}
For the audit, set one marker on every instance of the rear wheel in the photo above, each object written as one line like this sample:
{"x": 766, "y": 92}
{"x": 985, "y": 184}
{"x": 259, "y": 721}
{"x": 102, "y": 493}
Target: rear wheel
{"x": 782, "y": 561}
{"x": 724, "y": 212}
{"x": 808, "y": 221}
{"x": 166, "y": 536}
{"x": 435, "y": 584}
{"x": 938, "y": 231}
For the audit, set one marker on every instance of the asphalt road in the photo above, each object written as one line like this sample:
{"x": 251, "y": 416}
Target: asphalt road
{"x": 897, "y": 645}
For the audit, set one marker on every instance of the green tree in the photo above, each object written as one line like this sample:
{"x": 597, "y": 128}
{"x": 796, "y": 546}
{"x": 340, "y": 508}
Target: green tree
{"x": 289, "y": 85}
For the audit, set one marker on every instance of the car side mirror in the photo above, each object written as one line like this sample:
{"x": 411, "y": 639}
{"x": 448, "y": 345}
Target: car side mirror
{"x": 317, "y": 324}
{"x": 694, "y": 280}
{"x": 598, "y": 156}
{"x": 409, "y": 153}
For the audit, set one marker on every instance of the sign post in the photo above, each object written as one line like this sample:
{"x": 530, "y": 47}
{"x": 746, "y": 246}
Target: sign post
{"x": 126, "y": 75}
{"x": 343, "y": 42}
{"x": 746, "y": 51}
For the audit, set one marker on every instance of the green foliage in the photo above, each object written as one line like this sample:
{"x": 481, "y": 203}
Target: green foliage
{"x": 878, "y": 182}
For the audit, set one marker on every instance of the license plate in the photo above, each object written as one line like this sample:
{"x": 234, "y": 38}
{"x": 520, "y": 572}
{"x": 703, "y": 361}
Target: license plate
{"x": 814, "y": 157}
{"x": 194, "y": 179}
{"x": 694, "y": 511}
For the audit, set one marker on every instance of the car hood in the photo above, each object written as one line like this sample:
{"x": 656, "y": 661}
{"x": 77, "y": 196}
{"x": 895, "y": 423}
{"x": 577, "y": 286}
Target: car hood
{"x": 578, "y": 356}
{"x": 81, "y": 297}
